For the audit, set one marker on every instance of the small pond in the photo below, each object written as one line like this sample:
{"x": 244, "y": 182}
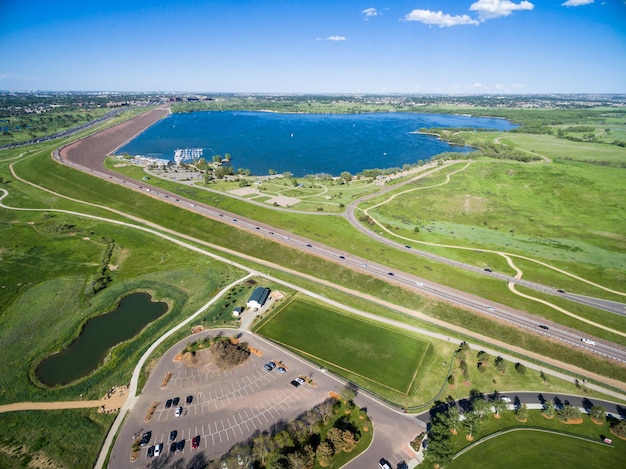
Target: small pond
{"x": 98, "y": 336}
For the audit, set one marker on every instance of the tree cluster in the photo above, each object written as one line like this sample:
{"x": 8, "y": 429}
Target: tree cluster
{"x": 229, "y": 354}
{"x": 298, "y": 444}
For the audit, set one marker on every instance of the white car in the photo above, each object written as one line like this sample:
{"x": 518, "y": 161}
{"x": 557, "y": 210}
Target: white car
{"x": 505, "y": 399}
{"x": 157, "y": 450}
{"x": 419, "y": 284}
{"x": 179, "y": 410}
{"x": 588, "y": 341}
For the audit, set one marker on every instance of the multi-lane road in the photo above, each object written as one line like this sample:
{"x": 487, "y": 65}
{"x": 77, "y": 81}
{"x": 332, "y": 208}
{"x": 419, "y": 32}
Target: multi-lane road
{"x": 422, "y": 286}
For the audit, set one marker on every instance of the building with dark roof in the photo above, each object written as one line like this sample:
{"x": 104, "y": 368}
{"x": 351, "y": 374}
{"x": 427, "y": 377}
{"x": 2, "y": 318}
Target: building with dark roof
{"x": 258, "y": 298}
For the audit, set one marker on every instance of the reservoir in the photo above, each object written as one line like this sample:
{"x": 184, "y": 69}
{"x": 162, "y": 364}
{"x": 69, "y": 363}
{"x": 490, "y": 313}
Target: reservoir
{"x": 305, "y": 143}
{"x": 99, "y": 335}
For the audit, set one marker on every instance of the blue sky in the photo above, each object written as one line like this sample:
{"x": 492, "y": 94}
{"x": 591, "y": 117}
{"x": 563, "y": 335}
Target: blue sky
{"x": 316, "y": 46}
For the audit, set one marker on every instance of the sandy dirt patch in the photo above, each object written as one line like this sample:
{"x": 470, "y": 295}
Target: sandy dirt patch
{"x": 282, "y": 201}
{"x": 244, "y": 191}
{"x": 111, "y": 402}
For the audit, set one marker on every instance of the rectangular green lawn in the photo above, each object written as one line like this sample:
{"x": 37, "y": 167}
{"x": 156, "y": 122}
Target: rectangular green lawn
{"x": 377, "y": 353}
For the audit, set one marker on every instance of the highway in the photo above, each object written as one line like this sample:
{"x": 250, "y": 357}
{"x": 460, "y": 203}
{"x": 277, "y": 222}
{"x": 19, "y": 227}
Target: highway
{"x": 421, "y": 286}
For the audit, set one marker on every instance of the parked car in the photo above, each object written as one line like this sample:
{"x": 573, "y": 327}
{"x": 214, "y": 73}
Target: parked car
{"x": 195, "y": 442}
{"x": 168, "y": 403}
{"x": 157, "y": 449}
{"x": 295, "y": 383}
{"x": 173, "y": 447}
{"x": 384, "y": 464}
{"x": 300, "y": 380}
{"x": 281, "y": 370}
{"x": 175, "y": 401}
{"x": 179, "y": 411}
{"x": 505, "y": 399}
{"x": 189, "y": 399}
{"x": 151, "y": 451}
{"x": 180, "y": 445}
{"x": 173, "y": 435}
{"x": 145, "y": 438}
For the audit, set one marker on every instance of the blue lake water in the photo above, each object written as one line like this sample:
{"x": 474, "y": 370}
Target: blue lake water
{"x": 305, "y": 143}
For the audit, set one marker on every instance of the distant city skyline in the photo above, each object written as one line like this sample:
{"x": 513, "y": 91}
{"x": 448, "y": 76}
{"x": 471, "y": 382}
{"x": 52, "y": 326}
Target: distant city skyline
{"x": 324, "y": 46}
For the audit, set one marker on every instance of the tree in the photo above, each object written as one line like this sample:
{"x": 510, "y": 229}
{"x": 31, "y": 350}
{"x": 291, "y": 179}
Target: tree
{"x": 261, "y": 447}
{"x": 464, "y": 347}
{"x": 480, "y": 406}
{"x": 346, "y": 176}
{"x": 482, "y": 357}
{"x": 470, "y": 422}
{"x": 499, "y": 406}
{"x": 619, "y": 428}
{"x": 287, "y": 174}
{"x": 451, "y": 418}
{"x": 335, "y": 437}
{"x": 217, "y": 158}
{"x": 348, "y": 393}
{"x": 271, "y": 172}
{"x": 500, "y": 364}
{"x": 548, "y": 409}
{"x": 521, "y": 413}
{"x": 325, "y": 409}
{"x": 597, "y": 413}
{"x": 324, "y": 454}
{"x": 349, "y": 441}
{"x": 439, "y": 451}
{"x": 568, "y": 413}
{"x": 520, "y": 368}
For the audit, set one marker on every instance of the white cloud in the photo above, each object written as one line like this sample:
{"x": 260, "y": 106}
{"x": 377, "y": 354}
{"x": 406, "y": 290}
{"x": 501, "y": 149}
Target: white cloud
{"x": 576, "y": 3}
{"x": 335, "y": 38}
{"x": 438, "y": 18}
{"x": 369, "y": 12}
{"x": 490, "y": 9}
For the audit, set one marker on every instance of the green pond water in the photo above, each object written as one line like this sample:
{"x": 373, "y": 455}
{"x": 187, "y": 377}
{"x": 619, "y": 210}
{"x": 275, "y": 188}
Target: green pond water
{"x": 98, "y": 336}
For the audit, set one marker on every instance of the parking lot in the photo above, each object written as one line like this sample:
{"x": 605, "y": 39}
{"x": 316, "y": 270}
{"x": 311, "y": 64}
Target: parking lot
{"x": 227, "y": 406}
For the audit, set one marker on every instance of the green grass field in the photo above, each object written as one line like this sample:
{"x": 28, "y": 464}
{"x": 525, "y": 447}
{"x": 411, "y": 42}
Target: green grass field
{"x": 384, "y": 356}
{"x": 527, "y": 448}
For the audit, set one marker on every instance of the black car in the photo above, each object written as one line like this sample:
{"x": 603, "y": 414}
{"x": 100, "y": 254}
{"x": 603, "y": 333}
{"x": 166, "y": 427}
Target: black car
{"x": 175, "y": 401}
{"x": 560, "y": 290}
{"x": 544, "y": 326}
{"x": 151, "y": 451}
{"x": 173, "y": 447}
{"x": 173, "y": 434}
{"x": 295, "y": 383}
{"x": 180, "y": 445}
{"x": 168, "y": 403}
{"x": 189, "y": 399}
{"x": 145, "y": 438}
{"x": 488, "y": 270}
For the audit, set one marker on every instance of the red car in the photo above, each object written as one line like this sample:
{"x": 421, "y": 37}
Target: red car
{"x": 195, "y": 442}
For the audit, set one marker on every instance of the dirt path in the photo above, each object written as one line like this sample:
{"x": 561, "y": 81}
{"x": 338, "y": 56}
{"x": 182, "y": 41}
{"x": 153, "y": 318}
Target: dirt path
{"x": 110, "y": 402}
